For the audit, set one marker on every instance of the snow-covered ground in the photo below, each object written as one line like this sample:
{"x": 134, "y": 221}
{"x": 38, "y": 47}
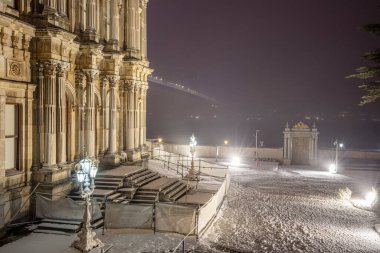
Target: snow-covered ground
{"x": 293, "y": 210}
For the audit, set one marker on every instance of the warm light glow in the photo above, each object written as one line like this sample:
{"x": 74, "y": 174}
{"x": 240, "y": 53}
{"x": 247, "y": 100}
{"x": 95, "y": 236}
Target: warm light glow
{"x": 235, "y": 160}
{"x": 371, "y": 197}
{"x": 159, "y": 140}
{"x": 332, "y": 168}
{"x": 225, "y": 142}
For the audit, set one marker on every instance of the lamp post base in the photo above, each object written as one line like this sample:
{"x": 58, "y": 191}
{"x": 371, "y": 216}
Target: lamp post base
{"x": 86, "y": 241}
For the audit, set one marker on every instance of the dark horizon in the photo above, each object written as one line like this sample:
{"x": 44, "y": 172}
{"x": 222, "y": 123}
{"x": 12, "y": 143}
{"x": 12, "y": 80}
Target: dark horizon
{"x": 267, "y": 63}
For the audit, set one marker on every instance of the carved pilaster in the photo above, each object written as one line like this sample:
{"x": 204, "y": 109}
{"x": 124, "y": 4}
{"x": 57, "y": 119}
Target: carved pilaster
{"x": 90, "y": 111}
{"x": 61, "y": 113}
{"x": 130, "y": 87}
{"x": 112, "y": 148}
{"x": 79, "y": 84}
{"x": 49, "y": 104}
{"x": 103, "y": 123}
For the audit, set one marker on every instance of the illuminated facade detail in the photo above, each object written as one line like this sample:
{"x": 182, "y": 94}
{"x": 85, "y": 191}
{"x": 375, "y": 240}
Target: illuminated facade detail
{"x": 300, "y": 144}
{"x": 75, "y": 81}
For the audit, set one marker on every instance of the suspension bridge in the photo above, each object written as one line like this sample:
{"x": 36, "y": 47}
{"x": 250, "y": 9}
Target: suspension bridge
{"x": 182, "y": 88}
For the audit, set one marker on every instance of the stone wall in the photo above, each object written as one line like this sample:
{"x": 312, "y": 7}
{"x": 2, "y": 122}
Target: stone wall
{"x": 324, "y": 155}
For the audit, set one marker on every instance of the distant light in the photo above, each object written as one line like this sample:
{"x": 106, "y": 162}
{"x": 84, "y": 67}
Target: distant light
{"x": 159, "y": 140}
{"x": 341, "y": 145}
{"x": 332, "y": 168}
{"x": 371, "y": 197}
{"x": 225, "y": 142}
{"x": 235, "y": 160}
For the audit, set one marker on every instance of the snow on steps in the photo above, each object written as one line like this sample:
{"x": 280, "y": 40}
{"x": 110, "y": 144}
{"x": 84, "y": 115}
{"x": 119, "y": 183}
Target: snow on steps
{"x": 62, "y": 227}
{"x": 174, "y": 191}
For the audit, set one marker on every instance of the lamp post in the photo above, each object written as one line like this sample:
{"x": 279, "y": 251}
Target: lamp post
{"x": 86, "y": 172}
{"x": 337, "y": 147}
{"x": 257, "y": 162}
{"x": 192, "y": 144}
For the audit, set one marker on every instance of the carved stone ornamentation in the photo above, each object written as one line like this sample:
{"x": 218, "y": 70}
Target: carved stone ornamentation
{"x": 62, "y": 69}
{"x": 113, "y": 80}
{"x": 50, "y": 68}
{"x": 15, "y": 69}
{"x": 15, "y": 39}
{"x": 91, "y": 75}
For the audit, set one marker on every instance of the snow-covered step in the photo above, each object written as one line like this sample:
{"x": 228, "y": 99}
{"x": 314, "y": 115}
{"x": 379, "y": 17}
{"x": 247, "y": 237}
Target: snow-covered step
{"x": 113, "y": 196}
{"x": 148, "y": 180}
{"x": 45, "y": 231}
{"x": 171, "y": 187}
{"x": 179, "y": 195}
{"x": 109, "y": 183}
{"x": 59, "y": 227}
{"x": 72, "y": 222}
{"x": 142, "y": 178}
{"x": 98, "y": 223}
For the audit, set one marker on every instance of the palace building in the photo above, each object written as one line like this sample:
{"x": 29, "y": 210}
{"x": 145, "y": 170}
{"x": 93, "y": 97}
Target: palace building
{"x": 73, "y": 81}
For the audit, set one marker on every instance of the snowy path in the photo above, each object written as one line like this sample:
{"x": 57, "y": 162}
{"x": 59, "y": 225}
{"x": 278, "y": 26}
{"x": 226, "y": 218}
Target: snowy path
{"x": 290, "y": 211}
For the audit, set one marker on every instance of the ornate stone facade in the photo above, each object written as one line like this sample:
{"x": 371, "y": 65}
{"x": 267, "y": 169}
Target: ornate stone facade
{"x": 300, "y": 145}
{"x": 75, "y": 73}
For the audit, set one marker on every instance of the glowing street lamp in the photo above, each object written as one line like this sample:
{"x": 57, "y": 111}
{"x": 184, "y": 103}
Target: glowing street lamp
{"x": 235, "y": 160}
{"x": 371, "y": 197}
{"x": 332, "y": 168}
{"x": 337, "y": 147}
{"x": 225, "y": 142}
{"x": 193, "y": 143}
{"x": 86, "y": 173}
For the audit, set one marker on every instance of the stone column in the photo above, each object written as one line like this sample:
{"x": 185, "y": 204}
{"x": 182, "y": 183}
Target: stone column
{"x": 90, "y": 112}
{"x": 112, "y": 148}
{"x": 121, "y": 117}
{"x": 50, "y": 6}
{"x": 143, "y": 30}
{"x": 137, "y": 103}
{"x": 91, "y": 16}
{"x": 125, "y": 114}
{"x": 103, "y": 125}
{"x": 79, "y": 80}
{"x": 41, "y": 118}
{"x": 50, "y": 101}
{"x": 131, "y": 116}
{"x": 132, "y": 14}
{"x": 144, "y": 89}
{"x": 114, "y": 22}
{"x": 2, "y": 156}
{"x": 61, "y": 114}
{"x": 62, "y": 6}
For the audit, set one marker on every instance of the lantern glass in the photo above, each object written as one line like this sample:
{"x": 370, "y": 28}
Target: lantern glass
{"x": 81, "y": 176}
{"x": 93, "y": 171}
{"x": 86, "y": 165}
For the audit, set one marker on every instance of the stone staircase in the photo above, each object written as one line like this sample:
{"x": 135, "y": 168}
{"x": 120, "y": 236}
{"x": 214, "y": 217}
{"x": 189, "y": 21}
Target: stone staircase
{"x": 141, "y": 177}
{"x": 60, "y": 227}
{"x": 173, "y": 191}
{"x": 145, "y": 197}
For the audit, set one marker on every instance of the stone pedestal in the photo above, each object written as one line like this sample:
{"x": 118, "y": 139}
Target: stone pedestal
{"x": 53, "y": 181}
{"x": 110, "y": 160}
{"x": 133, "y": 155}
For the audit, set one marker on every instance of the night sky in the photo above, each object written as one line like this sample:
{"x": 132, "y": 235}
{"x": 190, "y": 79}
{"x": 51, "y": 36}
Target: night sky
{"x": 266, "y": 62}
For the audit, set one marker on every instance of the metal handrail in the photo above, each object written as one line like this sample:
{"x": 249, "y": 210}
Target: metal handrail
{"x": 22, "y": 206}
{"x": 183, "y": 240}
